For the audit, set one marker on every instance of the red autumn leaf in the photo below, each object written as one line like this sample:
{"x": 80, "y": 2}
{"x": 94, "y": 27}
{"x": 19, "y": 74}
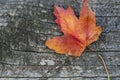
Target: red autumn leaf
{"x": 78, "y": 32}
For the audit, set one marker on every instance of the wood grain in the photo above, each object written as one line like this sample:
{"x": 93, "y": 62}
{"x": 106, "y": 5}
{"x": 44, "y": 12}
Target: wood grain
{"x": 26, "y": 24}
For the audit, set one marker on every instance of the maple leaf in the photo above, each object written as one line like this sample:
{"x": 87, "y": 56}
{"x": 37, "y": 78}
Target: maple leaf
{"x": 78, "y": 32}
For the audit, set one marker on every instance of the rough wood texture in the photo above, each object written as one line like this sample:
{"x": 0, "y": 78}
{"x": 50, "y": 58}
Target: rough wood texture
{"x": 26, "y": 24}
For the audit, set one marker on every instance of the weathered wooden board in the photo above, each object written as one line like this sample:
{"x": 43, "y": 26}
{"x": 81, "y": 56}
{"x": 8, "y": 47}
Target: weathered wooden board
{"x": 57, "y": 71}
{"x": 78, "y": 78}
{"x": 26, "y": 24}
{"x": 87, "y": 59}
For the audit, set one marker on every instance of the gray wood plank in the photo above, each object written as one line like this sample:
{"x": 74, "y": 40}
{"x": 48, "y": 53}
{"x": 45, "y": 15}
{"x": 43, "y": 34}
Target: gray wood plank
{"x": 78, "y": 78}
{"x": 102, "y": 8}
{"x": 23, "y": 78}
{"x": 57, "y": 71}
{"x": 87, "y": 59}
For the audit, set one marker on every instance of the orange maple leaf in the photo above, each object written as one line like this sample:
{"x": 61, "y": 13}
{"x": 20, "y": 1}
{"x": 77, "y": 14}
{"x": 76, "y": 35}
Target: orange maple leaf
{"x": 78, "y": 32}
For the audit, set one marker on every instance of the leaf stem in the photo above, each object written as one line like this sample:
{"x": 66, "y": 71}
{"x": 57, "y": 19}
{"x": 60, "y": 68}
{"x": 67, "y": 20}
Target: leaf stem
{"x": 104, "y": 64}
